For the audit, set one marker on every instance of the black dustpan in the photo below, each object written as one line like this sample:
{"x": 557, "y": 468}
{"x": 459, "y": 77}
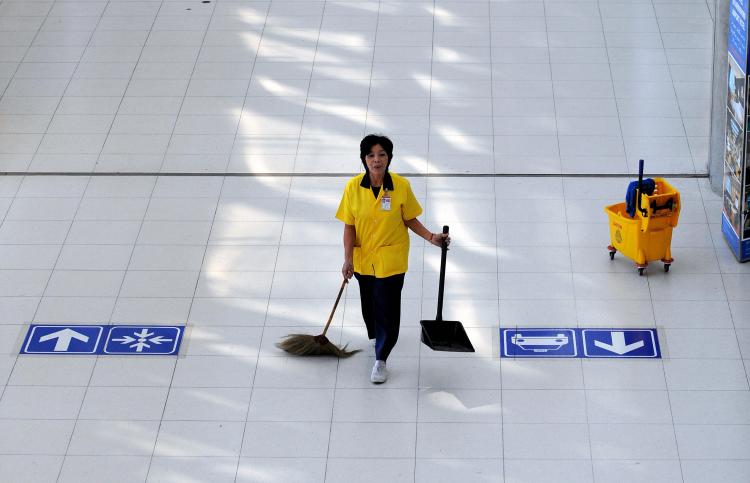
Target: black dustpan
{"x": 444, "y": 335}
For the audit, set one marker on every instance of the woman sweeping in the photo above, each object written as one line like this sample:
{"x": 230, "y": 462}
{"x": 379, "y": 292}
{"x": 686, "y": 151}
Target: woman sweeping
{"x": 377, "y": 208}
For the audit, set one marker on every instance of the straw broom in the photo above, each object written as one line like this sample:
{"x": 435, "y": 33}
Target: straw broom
{"x": 316, "y": 345}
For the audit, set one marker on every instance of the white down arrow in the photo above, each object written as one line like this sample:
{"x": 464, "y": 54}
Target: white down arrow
{"x": 618, "y": 345}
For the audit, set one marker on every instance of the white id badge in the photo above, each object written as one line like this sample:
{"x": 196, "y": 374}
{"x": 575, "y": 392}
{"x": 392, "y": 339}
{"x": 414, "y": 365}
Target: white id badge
{"x": 385, "y": 203}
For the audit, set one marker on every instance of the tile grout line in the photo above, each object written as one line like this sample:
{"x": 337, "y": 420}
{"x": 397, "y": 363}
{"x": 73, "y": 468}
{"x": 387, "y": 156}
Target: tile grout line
{"x": 213, "y": 221}
{"x": 247, "y": 89}
{"x": 124, "y": 95}
{"x": 335, "y": 389}
{"x": 581, "y": 361}
{"x": 716, "y": 249}
{"x": 392, "y": 421}
{"x": 224, "y": 178}
{"x": 346, "y": 299}
{"x": 187, "y": 324}
{"x": 692, "y": 157}
{"x": 70, "y": 225}
{"x": 424, "y": 246}
{"x": 340, "y": 174}
{"x": 41, "y": 298}
{"x": 13, "y": 76}
{"x": 552, "y": 85}
{"x": 497, "y": 245}
{"x": 28, "y": 48}
{"x": 307, "y": 95}
{"x": 742, "y": 359}
{"x": 590, "y": 459}
{"x": 67, "y": 85}
{"x": 395, "y": 115}
{"x": 192, "y": 299}
{"x": 614, "y": 92}
{"x": 486, "y": 359}
{"x": 666, "y": 386}
{"x": 135, "y": 241}
{"x": 187, "y": 85}
{"x": 674, "y": 89}
{"x": 283, "y": 224}
{"x": 376, "y": 458}
{"x": 372, "y": 67}
{"x": 281, "y": 234}
{"x": 83, "y": 195}
{"x": 662, "y": 361}
{"x": 2, "y": 222}
{"x": 111, "y": 314}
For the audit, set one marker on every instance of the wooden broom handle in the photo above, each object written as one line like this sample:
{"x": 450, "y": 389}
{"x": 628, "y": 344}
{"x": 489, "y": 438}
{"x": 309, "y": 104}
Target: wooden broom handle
{"x": 330, "y": 317}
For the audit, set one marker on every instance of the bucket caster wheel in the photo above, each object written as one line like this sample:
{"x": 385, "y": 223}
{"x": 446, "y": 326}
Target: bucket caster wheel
{"x": 666, "y": 267}
{"x": 641, "y": 270}
{"x": 612, "y": 252}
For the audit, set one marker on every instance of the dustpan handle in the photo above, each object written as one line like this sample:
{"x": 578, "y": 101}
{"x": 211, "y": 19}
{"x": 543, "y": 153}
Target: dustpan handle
{"x": 330, "y": 317}
{"x": 444, "y": 252}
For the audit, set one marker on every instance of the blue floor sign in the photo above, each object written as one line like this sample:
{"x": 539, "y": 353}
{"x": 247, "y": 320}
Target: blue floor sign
{"x": 59, "y": 339}
{"x": 540, "y": 343}
{"x": 103, "y": 339}
{"x": 620, "y": 343}
{"x": 143, "y": 340}
{"x": 587, "y": 343}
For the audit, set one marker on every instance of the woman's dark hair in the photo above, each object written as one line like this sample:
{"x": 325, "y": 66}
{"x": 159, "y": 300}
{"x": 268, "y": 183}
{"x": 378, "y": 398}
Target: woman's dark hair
{"x": 371, "y": 140}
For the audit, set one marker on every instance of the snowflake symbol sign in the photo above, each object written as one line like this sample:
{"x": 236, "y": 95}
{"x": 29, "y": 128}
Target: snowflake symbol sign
{"x": 143, "y": 340}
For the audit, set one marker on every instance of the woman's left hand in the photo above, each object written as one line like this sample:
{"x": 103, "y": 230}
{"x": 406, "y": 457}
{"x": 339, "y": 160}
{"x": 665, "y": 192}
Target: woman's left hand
{"x": 437, "y": 239}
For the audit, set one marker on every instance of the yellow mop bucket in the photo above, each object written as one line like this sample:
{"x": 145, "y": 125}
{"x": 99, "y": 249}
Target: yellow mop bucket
{"x": 647, "y": 236}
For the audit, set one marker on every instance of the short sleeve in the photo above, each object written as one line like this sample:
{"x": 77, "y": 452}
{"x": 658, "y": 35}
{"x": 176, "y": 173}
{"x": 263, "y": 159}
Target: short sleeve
{"x": 411, "y": 207}
{"x": 344, "y": 213}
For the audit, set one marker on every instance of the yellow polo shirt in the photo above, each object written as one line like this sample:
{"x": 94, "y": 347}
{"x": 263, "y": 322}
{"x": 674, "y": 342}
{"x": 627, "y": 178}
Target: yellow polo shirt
{"x": 381, "y": 247}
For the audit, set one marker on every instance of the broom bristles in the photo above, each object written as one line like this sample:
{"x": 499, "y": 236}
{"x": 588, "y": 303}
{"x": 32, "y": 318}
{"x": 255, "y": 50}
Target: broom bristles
{"x": 313, "y": 345}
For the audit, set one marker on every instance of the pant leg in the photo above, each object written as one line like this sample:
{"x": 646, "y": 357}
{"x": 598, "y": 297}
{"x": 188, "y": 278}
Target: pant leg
{"x": 367, "y": 300}
{"x": 387, "y": 295}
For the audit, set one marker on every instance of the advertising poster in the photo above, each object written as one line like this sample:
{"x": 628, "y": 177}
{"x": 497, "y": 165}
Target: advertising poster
{"x": 737, "y": 38}
{"x": 736, "y": 92}
{"x": 733, "y": 149}
{"x": 732, "y": 193}
{"x": 736, "y": 203}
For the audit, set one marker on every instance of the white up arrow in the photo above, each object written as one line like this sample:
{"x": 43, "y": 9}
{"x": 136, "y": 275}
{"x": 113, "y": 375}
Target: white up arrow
{"x": 63, "y": 339}
{"x": 618, "y": 345}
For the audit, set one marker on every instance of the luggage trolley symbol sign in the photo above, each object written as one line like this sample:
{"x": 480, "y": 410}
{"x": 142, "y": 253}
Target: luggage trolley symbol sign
{"x": 539, "y": 343}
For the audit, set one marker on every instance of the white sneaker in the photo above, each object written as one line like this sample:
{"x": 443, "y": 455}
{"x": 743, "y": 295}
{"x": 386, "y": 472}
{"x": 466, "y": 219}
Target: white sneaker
{"x": 379, "y": 373}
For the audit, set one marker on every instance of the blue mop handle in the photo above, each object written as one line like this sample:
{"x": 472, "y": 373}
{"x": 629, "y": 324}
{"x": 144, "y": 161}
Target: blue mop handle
{"x": 639, "y": 191}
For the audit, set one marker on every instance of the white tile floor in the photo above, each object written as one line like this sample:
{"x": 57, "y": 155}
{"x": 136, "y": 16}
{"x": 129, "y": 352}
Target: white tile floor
{"x": 288, "y": 88}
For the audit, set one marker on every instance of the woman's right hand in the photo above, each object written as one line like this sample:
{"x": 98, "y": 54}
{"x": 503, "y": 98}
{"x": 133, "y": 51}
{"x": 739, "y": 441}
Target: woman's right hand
{"x": 348, "y": 269}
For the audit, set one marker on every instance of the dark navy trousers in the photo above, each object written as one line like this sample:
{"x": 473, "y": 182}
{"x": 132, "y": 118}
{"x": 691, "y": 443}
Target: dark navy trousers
{"x": 381, "y": 310}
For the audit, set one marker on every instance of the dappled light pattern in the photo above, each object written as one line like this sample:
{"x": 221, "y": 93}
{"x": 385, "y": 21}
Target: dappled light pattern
{"x": 277, "y": 94}
{"x": 289, "y": 86}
